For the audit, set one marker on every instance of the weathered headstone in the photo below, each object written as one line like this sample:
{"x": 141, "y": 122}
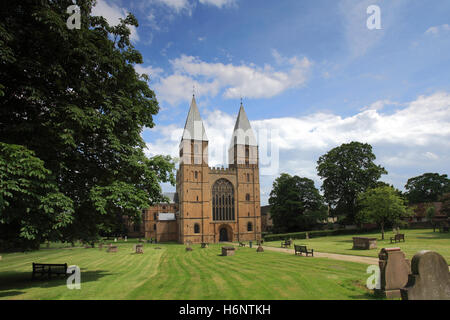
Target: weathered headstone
{"x": 364, "y": 243}
{"x": 228, "y": 251}
{"x": 307, "y": 236}
{"x": 394, "y": 271}
{"x": 112, "y": 248}
{"x": 126, "y": 238}
{"x": 429, "y": 278}
{"x": 139, "y": 248}
{"x": 260, "y": 249}
{"x": 115, "y": 239}
{"x": 204, "y": 245}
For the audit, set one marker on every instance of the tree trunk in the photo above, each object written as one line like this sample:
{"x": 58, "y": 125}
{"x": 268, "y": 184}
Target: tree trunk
{"x": 382, "y": 231}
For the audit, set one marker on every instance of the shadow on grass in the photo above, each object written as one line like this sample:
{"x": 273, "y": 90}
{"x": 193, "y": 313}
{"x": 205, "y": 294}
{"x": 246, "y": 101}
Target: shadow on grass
{"x": 10, "y": 293}
{"x": 22, "y": 281}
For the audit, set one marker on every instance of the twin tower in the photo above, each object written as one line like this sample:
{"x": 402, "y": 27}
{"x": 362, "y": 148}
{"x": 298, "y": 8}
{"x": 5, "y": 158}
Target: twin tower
{"x": 218, "y": 204}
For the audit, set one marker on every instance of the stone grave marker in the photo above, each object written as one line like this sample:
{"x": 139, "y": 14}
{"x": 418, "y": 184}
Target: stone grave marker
{"x": 139, "y": 248}
{"x": 394, "y": 271}
{"x": 429, "y": 278}
{"x": 260, "y": 249}
{"x": 364, "y": 243}
{"x": 228, "y": 251}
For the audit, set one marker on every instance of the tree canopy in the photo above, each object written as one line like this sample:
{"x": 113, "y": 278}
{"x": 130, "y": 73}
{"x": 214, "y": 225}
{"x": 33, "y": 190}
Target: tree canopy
{"x": 383, "y": 206}
{"x": 74, "y": 106}
{"x": 427, "y": 187}
{"x": 296, "y": 204}
{"x": 347, "y": 171}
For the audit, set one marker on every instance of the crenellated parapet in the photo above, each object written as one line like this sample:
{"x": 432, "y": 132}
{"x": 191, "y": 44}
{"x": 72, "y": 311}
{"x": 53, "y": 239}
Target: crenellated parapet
{"x": 221, "y": 170}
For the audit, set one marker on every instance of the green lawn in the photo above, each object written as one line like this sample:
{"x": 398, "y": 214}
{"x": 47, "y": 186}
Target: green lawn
{"x": 416, "y": 240}
{"x": 172, "y": 273}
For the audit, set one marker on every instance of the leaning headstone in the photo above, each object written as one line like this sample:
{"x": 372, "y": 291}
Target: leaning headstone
{"x": 430, "y": 278}
{"x": 394, "y": 271}
{"x": 126, "y": 238}
{"x": 115, "y": 239}
{"x": 260, "y": 249}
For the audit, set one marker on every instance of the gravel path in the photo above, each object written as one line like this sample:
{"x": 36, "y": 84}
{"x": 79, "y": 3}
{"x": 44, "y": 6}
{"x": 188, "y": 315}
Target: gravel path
{"x": 335, "y": 256}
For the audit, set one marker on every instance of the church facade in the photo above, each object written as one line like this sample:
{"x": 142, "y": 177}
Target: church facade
{"x": 213, "y": 204}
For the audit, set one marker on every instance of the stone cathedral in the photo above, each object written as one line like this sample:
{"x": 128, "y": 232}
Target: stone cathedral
{"x": 211, "y": 204}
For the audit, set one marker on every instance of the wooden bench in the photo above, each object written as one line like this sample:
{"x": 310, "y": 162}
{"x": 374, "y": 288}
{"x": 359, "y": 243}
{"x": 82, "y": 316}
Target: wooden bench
{"x": 241, "y": 244}
{"x": 398, "y": 238}
{"x": 286, "y": 243}
{"x": 303, "y": 249}
{"x": 48, "y": 269}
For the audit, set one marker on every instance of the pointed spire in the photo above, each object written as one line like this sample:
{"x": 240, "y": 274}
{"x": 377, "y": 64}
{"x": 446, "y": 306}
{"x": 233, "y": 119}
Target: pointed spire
{"x": 194, "y": 128}
{"x": 243, "y": 133}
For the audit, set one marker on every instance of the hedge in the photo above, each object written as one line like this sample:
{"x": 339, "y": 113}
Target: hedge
{"x": 314, "y": 234}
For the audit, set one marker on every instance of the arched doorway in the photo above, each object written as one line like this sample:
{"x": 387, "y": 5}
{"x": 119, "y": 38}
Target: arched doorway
{"x": 223, "y": 234}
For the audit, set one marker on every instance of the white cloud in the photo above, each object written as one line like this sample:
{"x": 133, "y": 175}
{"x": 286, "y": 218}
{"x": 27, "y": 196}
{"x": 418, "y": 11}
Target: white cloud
{"x": 234, "y": 81}
{"x": 218, "y": 3}
{"x": 379, "y": 105}
{"x": 177, "y": 5}
{"x": 112, "y": 13}
{"x": 409, "y": 141}
{"x": 438, "y": 29}
{"x": 149, "y": 70}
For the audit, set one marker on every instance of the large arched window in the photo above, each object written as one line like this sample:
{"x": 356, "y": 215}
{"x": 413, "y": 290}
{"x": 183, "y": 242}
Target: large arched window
{"x": 223, "y": 200}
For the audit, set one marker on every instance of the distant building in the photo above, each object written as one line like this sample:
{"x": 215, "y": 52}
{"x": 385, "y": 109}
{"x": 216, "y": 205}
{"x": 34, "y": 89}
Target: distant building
{"x": 211, "y": 204}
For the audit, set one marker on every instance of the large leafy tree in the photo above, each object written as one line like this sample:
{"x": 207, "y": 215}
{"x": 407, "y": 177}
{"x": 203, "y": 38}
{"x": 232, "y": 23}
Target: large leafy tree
{"x": 296, "y": 204}
{"x": 347, "y": 171}
{"x": 73, "y": 98}
{"x": 427, "y": 187}
{"x": 383, "y": 206}
{"x": 31, "y": 207}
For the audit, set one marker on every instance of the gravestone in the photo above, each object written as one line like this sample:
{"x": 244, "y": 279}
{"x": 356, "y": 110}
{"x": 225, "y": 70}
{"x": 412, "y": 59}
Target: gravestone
{"x": 126, "y": 238}
{"x": 115, "y": 239}
{"x": 204, "y": 245}
{"x": 429, "y": 278}
{"x": 100, "y": 246}
{"x": 260, "y": 249}
{"x": 139, "y": 248}
{"x": 112, "y": 248}
{"x": 228, "y": 251}
{"x": 394, "y": 271}
{"x": 364, "y": 243}
{"x": 307, "y": 236}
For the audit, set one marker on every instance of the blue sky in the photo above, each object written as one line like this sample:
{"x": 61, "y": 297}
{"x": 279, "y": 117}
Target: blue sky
{"x": 310, "y": 73}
